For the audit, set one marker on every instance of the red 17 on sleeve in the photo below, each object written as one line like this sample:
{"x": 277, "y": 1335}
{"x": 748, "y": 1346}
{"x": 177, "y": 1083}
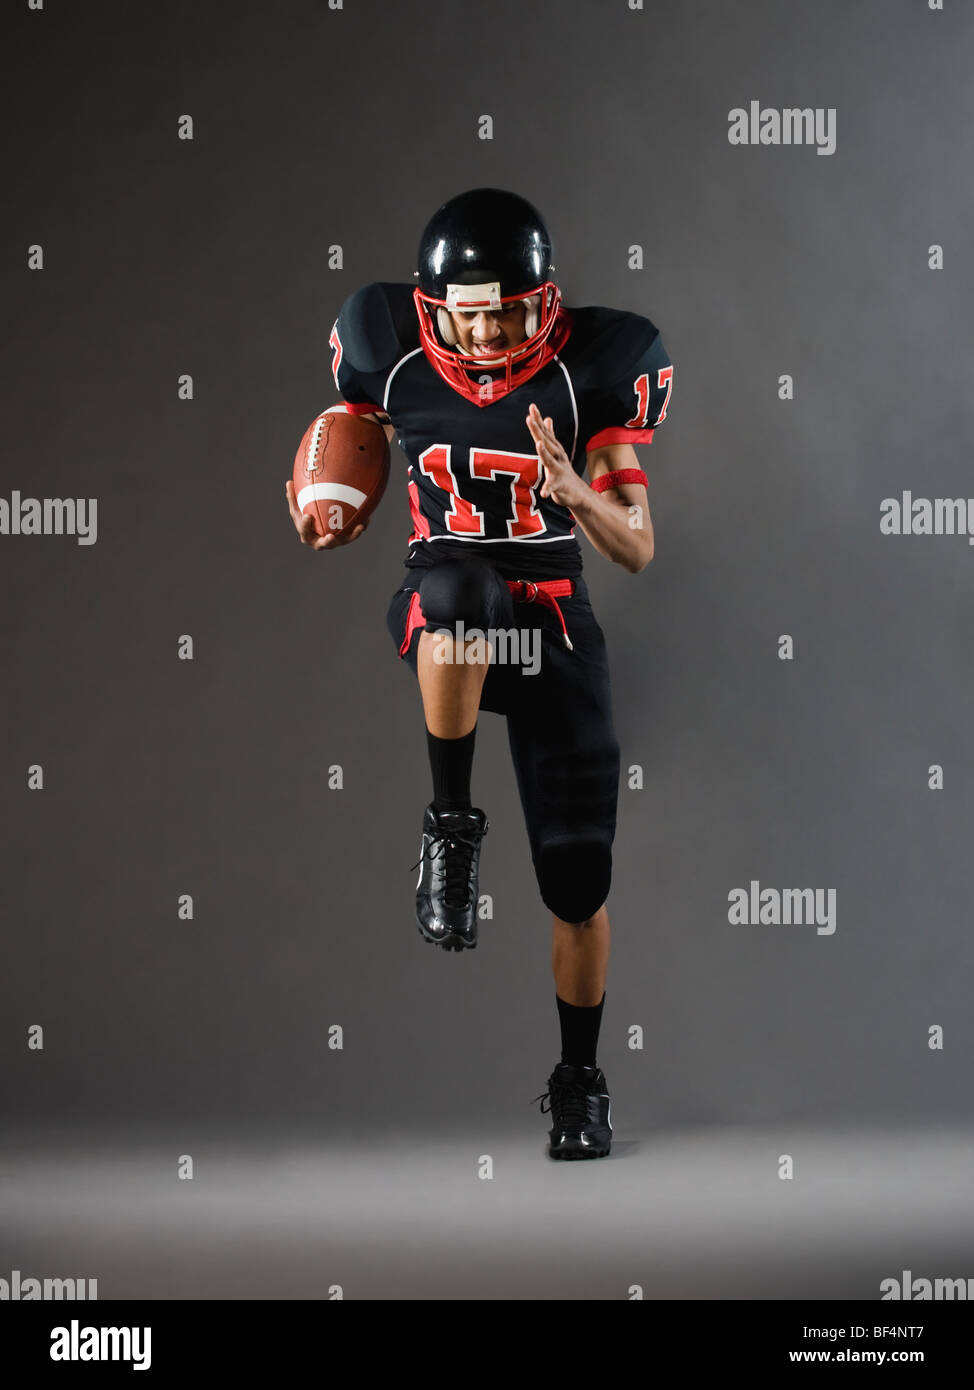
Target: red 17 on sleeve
{"x": 664, "y": 377}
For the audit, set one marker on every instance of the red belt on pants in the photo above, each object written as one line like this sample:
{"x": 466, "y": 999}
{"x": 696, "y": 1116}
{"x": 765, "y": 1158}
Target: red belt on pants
{"x": 544, "y": 591}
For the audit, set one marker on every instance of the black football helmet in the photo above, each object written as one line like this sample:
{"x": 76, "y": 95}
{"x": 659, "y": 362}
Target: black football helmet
{"x": 479, "y": 249}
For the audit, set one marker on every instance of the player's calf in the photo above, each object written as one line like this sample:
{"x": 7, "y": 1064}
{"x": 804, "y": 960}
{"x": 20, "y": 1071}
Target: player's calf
{"x": 450, "y": 690}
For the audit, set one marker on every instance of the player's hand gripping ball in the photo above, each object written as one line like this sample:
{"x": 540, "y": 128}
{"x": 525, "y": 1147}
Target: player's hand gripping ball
{"x": 340, "y": 474}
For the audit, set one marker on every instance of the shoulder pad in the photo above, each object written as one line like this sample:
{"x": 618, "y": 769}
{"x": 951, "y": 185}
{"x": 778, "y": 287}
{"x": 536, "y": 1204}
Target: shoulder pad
{"x": 608, "y": 342}
{"x": 377, "y": 325}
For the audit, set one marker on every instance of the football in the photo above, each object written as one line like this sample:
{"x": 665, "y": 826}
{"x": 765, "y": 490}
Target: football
{"x": 340, "y": 470}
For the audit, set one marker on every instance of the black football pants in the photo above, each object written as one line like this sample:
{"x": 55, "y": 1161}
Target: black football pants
{"x": 559, "y": 721}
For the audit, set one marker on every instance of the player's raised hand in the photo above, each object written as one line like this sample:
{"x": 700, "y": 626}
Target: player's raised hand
{"x": 562, "y": 484}
{"x": 305, "y": 526}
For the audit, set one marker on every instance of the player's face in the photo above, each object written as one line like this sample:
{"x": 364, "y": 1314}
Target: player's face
{"x": 486, "y": 333}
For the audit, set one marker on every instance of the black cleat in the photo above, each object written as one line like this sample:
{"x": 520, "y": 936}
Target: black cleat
{"x": 446, "y": 891}
{"x": 580, "y": 1111}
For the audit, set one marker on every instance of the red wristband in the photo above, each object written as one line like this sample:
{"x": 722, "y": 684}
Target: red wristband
{"x": 621, "y": 475}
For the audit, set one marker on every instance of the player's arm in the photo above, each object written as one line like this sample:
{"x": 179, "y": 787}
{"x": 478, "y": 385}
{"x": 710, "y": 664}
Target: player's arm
{"x": 359, "y": 333}
{"x": 605, "y": 520}
{"x": 364, "y": 346}
{"x": 607, "y": 470}
{"x": 614, "y": 515}
{"x": 622, "y": 409}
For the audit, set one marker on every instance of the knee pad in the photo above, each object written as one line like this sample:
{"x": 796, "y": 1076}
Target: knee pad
{"x": 574, "y": 876}
{"x": 461, "y": 591}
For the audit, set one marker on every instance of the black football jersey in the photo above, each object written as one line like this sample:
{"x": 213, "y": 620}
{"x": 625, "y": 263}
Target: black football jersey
{"x": 474, "y": 476}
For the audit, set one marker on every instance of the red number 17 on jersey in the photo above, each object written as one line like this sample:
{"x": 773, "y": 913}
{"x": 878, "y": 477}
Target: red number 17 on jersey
{"x": 464, "y": 519}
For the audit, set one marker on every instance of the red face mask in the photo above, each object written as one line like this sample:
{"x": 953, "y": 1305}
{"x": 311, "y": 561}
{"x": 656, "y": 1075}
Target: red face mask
{"x": 463, "y": 371}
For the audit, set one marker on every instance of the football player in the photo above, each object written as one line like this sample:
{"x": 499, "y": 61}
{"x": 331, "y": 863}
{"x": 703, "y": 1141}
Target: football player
{"x": 502, "y": 399}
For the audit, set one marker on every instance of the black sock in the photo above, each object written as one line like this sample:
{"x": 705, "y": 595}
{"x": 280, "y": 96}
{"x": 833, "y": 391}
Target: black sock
{"x": 451, "y": 760}
{"x": 579, "y": 1031}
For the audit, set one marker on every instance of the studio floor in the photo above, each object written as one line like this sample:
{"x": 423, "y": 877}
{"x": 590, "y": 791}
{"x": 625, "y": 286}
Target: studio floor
{"x": 700, "y": 1214}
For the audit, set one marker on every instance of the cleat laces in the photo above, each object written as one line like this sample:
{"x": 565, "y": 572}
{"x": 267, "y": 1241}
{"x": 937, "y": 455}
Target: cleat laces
{"x": 571, "y": 1099}
{"x": 456, "y": 848}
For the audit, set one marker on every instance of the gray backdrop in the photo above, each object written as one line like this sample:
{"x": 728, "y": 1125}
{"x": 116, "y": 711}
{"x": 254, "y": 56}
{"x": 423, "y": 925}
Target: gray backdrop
{"x": 162, "y": 256}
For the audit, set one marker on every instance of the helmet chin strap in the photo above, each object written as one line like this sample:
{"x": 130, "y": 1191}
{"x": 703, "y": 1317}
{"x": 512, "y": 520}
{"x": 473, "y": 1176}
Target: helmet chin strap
{"x": 532, "y": 320}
